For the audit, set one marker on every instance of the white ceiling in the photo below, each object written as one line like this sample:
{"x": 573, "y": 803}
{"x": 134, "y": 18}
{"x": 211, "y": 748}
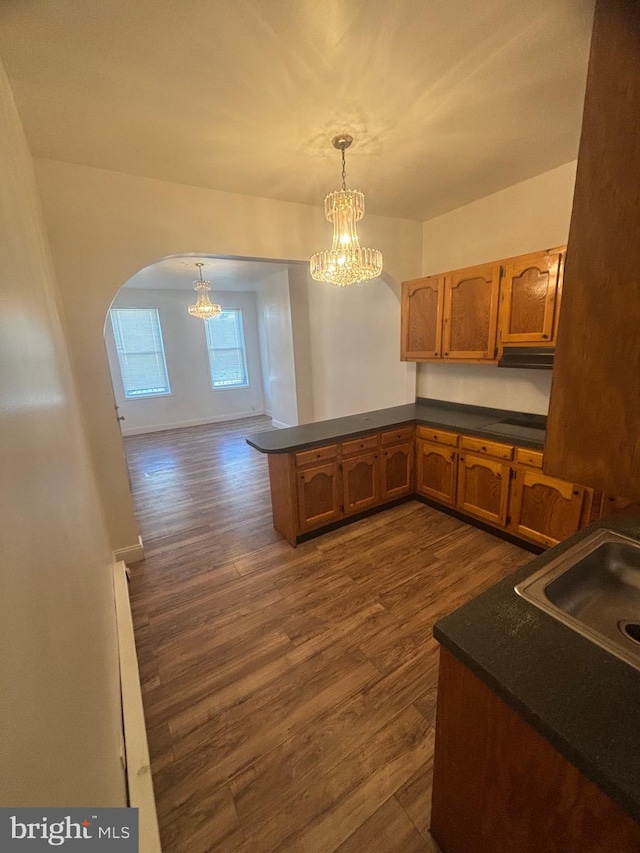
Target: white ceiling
{"x": 179, "y": 273}
{"x": 448, "y": 100}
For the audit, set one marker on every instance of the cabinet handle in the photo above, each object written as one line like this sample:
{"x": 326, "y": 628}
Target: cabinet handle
{"x": 446, "y": 353}
{"x": 576, "y": 493}
{"x": 484, "y": 448}
{"x": 462, "y": 458}
{"x": 435, "y": 437}
{"x": 545, "y": 336}
{"x": 453, "y": 456}
{"x": 436, "y": 353}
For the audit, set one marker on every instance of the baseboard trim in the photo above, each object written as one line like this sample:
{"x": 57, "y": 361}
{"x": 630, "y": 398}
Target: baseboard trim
{"x": 138, "y": 764}
{"x": 238, "y": 416}
{"x": 130, "y": 554}
{"x": 279, "y": 424}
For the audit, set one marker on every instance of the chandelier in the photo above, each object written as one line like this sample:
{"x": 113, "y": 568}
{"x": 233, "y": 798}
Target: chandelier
{"x": 203, "y": 308}
{"x": 346, "y": 262}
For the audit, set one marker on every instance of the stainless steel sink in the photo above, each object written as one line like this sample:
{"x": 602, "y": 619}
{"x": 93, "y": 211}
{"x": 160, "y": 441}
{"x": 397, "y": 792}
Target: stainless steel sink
{"x": 594, "y": 588}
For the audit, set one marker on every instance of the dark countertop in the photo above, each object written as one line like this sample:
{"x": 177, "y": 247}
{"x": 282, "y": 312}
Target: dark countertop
{"x": 456, "y": 417}
{"x": 582, "y": 699}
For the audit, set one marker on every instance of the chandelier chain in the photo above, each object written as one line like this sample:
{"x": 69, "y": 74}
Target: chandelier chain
{"x": 344, "y": 171}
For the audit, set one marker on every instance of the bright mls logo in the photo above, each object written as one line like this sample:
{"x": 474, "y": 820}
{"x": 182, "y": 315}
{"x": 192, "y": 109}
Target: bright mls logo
{"x": 105, "y": 830}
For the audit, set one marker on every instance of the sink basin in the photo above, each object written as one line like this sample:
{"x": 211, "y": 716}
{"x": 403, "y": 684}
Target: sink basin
{"x": 594, "y": 588}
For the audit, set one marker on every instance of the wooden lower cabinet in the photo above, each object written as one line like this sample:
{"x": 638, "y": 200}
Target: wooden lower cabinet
{"x": 397, "y": 471}
{"x": 319, "y": 497}
{"x": 361, "y": 482}
{"x": 311, "y": 489}
{"x": 500, "y": 787}
{"x": 544, "y": 509}
{"x": 483, "y": 488}
{"x": 614, "y": 505}
{"x": 436, "y": 471}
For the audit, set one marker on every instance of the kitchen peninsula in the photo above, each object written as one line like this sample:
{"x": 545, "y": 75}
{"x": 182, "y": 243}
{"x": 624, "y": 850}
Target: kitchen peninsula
{"x": 482, "y": 463}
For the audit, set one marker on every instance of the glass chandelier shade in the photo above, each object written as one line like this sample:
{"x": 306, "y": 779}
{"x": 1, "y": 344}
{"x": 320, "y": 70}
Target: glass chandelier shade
{"x": 204, "y": 308}
{"x": 346, "y": 262}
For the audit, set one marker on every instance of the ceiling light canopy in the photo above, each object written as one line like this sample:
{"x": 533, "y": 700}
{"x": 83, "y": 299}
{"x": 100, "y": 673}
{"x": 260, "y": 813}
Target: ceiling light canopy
{"x": 203, "y": 308}
{"x": 346, "y": 262}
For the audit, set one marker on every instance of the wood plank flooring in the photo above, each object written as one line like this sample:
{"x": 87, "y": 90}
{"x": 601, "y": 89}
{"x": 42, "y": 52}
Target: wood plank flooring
{"x": 289, "y": 693}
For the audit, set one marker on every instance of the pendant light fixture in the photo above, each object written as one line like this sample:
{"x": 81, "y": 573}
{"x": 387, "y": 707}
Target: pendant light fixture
{"x": 203, "y": 308}
{"x": 346, "y": 262}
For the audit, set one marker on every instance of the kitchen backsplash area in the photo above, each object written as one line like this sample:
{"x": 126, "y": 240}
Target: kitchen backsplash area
{"x": 486, "y": 385}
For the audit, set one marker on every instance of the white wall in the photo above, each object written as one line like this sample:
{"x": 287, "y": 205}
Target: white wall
{"x": 355, "y": 347}
{"x": 192, "y": 400}
{"x": 60, "y": 706}
{"x": 275, "y": 319}
{"x": 105, "y": 226}
{"x": 525, "y": 217}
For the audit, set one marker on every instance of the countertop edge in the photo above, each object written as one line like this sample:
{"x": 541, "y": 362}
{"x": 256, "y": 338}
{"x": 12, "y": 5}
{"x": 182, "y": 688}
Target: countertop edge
{"x": 506, "y": 642}
{"x": 352, "y": 426}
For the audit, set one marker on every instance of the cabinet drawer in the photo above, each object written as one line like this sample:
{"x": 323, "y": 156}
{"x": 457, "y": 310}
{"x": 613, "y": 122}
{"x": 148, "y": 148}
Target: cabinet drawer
{"x": 439, "y": 435}
{"x": 317, "y": 454}
{"x": 529, "y": 457}
{"x": 397, "y": 436}
{"x": 488, "y": 448}
{"x": 360, "y": 445}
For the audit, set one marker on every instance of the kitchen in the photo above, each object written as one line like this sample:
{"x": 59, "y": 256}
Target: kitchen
{"x": 60, "y": 183}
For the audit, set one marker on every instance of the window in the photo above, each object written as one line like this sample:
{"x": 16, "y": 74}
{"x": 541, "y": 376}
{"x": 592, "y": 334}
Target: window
{"x": 225, "y": 345}
{"x": 140, "y": 352}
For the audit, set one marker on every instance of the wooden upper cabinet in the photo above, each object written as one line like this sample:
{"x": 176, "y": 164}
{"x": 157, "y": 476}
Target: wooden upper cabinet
{"x": 544, "y": 509}
{"x": 470, "y": 313}
{"x": 421, "y": 314}
{"x": 529, "y": 298}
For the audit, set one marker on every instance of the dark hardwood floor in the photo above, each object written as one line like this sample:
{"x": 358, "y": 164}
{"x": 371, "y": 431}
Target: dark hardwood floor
{"x": 289, "y": 693}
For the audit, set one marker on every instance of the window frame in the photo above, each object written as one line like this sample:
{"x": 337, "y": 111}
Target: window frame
{"x": 243, "y": 350}
{"x": 145, "y": 396}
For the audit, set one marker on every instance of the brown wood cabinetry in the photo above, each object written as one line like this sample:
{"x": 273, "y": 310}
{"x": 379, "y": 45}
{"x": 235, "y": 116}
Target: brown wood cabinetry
{"x": 452, "y": 316}
{"x": 594, "y": 412}
{"x": 319, "y": 499}
{"x": 530, "y": 293}
{"x": 544, "y": 509}
{"x": 397, "y": 464}
{"x": 536, "y": 799}
{"x": 483, "y": 487}
{"x": 421, "y": 313}
{"x": 615, "y": 505}
{"x": 313, "y": 488}
{"x": 436, "y": 471}
{"x": 361, "y": 482}
{"x": 470, "y": 313}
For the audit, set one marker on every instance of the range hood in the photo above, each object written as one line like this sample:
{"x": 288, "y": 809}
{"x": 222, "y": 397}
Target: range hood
{"x": 535, "y": 358}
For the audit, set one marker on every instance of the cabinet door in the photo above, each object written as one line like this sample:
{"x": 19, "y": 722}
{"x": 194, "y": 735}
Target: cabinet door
{"x": 528, "y": 298}
{"x": 318, "y": 496}
{"x": 614, "y": 505}
{"x": 437, "y": 467}
{"x": 360, "y": 476}
{"x": 544, "y": 509}
{"x": 483, "y": 488}
{"x": 421, "y": 318}
{"x": 397, "y": 467}
{"x": 471, "y": 313}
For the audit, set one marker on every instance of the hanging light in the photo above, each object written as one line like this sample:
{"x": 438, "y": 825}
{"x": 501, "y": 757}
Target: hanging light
{"x": 346, "y": 262}
{"x": 203, "y": 308}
